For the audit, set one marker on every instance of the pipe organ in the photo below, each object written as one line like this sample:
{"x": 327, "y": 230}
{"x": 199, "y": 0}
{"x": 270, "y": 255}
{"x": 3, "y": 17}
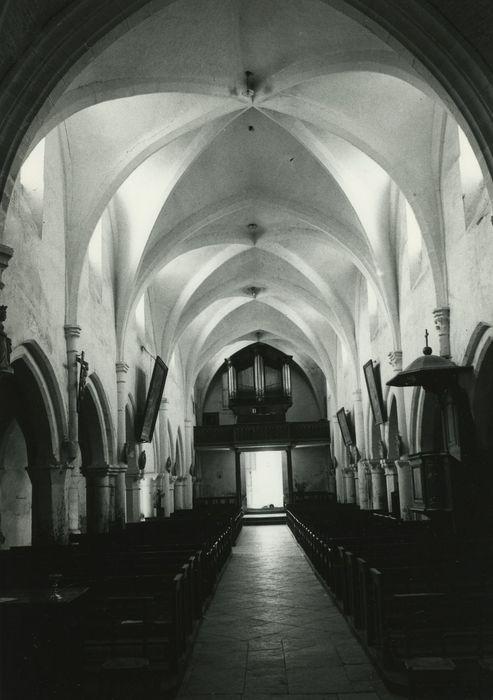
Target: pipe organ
{"x": 259, "y": 384}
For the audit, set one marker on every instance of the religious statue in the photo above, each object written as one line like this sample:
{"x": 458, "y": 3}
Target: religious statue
{"x": 141, "y": 462}
{"x": 83, "y": 374}
{"x": 5, "y": 343}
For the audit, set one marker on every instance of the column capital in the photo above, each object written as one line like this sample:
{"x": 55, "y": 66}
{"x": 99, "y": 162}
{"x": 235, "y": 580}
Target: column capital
{"x": 96, "y": 472}
{"x": 441, "y": 317}
{"x": 365, "y": 463}
{"x": 395, "y": 360}
{"x": 389, "y": 466}
{"x": 72, "y": 330}
{"x": 401, "y": 463}
{"x": 357, "y": 395}
{"x": 121, "y": 367}
{"x": 164, "y": 405}
{"x": 376, "y": 467}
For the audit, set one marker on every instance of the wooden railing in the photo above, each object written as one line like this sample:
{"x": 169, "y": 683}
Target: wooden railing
{"x": 262, "y": 434}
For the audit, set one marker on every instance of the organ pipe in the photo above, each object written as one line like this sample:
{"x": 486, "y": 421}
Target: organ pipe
{"x": 258, "y": 376}
{"x": 286, "y": 377}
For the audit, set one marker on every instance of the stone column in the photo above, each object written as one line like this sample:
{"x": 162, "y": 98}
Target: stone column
{"x": 132, "y": 483}
{"x": 98, "y": 499}
{"x": 404, "y": 479}
{"x": 391, "y": 480}
{"x": 441, "y": 317}
{"x": 172, "y": 483}
{"x": 349, "y": 485}
{"x": 289, "y": 464}
{"x": 340, "y": 487}
{"x": 120, "y": 495}
{"x": 378, "y": 486}
{"x": 164, "y": 454}
{"x": 359, "y": 423}
{"x": 395, "y": 360}
{"x": 188, "y": 483}
{"x": 72, "y": 335}
{"x": 354, "y": 467}
{"x": 50, "y": 486}
{"x": 179, "y": 488}
{"x": 111, "y": 502}
{"x": 120, "y": 512}
{"x": 364, "y": 484}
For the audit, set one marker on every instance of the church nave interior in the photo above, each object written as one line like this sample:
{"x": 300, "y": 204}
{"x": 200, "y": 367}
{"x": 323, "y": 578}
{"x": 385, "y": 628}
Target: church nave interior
{"x": 245, "y": 279}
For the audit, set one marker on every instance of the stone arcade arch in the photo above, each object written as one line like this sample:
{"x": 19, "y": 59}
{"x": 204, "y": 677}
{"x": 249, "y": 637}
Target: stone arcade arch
{"x": 15, "y": 489}
{"x": 97, "y": 450}
{"x": 30, "y": 437}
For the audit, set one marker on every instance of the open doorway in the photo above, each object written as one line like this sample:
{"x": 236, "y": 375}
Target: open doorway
{"x": 264, "y": 485}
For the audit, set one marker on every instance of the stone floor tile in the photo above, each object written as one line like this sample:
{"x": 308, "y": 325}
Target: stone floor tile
{"x": 319, "y": 676}
{"x": 271, "y": 685}
{"x": 268, "y": 642}
{"x": 316, "y": 662}
{"x": 256, "y": 656}
{"x": 360, "y": 672}
{"x": 272, "y": 631}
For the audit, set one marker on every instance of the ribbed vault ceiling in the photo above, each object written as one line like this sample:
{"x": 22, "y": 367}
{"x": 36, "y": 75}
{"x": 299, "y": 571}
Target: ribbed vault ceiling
{"x": 211, "y": 191}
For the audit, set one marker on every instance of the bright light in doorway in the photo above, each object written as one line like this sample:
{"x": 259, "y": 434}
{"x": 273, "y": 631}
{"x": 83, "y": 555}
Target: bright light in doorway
{"x": 264, "y": 479}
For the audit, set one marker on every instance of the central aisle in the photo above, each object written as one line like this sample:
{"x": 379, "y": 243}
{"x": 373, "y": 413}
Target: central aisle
{"x": 272, "y": 629}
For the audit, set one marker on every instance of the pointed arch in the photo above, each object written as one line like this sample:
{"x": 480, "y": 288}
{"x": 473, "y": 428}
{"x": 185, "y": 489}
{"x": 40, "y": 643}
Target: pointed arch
{"x": 41, "y": 369}
{"x": 108, "y": 435}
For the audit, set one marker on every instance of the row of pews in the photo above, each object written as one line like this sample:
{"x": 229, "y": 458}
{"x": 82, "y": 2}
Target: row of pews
{"x": 110, "y": 615}
{"x": 420, "y": 601}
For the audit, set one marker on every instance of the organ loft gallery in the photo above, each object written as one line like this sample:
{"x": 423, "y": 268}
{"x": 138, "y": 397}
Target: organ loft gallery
{"x": 246, "y": 349}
